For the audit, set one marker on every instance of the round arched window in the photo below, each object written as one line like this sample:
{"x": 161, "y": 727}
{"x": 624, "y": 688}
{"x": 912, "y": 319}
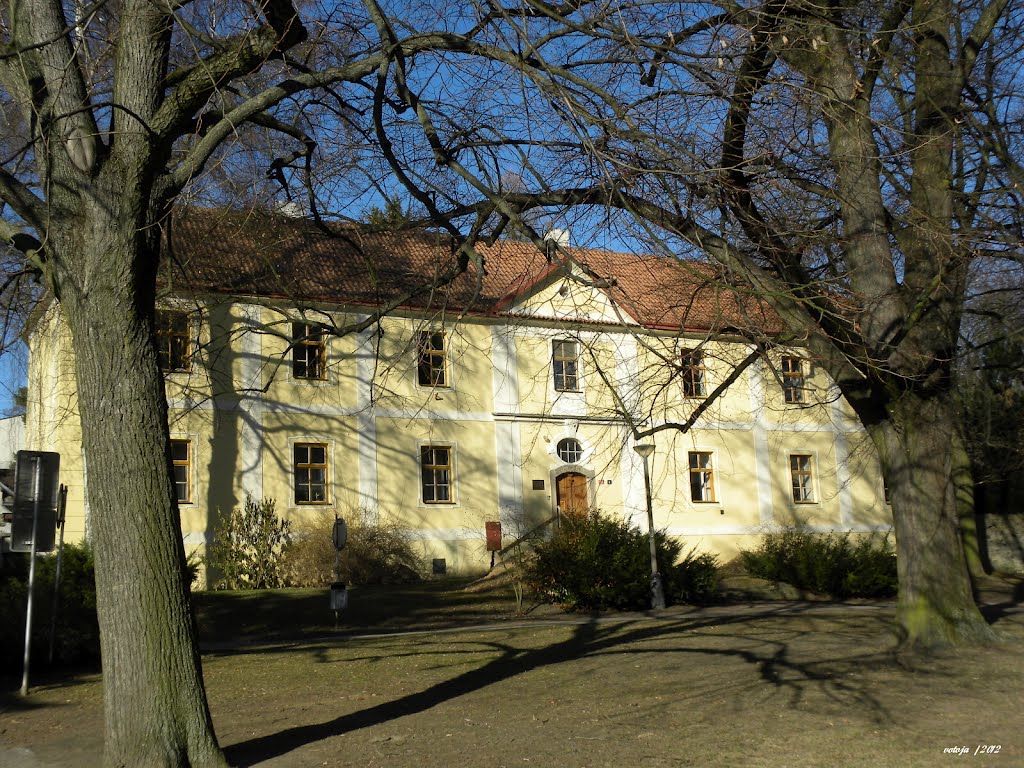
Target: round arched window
{"x": 570, "y": 451}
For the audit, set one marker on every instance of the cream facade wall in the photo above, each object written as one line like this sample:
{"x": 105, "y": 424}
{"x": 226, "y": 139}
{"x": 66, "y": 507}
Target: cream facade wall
{"x": 51, "y": 416}
{"x": 499, "y": 417}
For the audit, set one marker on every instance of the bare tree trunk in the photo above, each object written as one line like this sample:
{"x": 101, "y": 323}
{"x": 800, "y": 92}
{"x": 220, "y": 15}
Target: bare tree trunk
{"x": 155, "y": 702}
{"x": 963, "y": 479}
{"x": 920, "y": 445}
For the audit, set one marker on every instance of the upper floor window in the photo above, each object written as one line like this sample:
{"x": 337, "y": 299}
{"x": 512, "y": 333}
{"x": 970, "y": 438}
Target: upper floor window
{"x": 801, "y": 472}
{"x": 309, "y": 351}
{"x": 309, "y": 466}
{"x": 431, "y": 369}
{"x": 702, "y": 476}
{"x": 181, "y": 469}
{"x": 794, "y": 382}
{"x": 172, "y": 344}
{"x": 692, "y": 368}
{"x": 569, "y": 450}
{"x": 436, "y": 478}
{"x": 565, "y": 363}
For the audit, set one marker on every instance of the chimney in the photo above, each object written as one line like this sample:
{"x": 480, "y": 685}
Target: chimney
{"x": 559, "y": 237}
{"x": 290, "y": 209}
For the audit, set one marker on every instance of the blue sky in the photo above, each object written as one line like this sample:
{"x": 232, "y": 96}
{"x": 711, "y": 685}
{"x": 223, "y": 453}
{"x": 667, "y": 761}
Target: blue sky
{"x": 12, "y": 376}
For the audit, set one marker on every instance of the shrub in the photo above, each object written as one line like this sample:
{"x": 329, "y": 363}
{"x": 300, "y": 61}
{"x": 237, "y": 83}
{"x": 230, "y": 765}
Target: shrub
{"x": 193, "y": 565}
{"x": 77, "y": 637}
{"x": 309, "y": 561}
{"x": 517, "y": 558}
{"x": 13, "y": 591}
{"x": 831, "y": 564}
{"x": 596, "y": 562}
{"x": 248, "y": 547}
{"x": 694, "y": 578}
{"x": 379, "y": 551}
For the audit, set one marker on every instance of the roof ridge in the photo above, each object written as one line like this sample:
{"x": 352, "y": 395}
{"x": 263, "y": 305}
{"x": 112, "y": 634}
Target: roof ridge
{"x": 264, "y": 253}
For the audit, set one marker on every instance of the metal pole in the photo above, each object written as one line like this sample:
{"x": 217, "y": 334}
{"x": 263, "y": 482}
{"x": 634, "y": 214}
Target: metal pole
{"x": 62, "y": 497}
{"x": 337, "y": 573}
{"x": 657, "y": 591}
{"x": 31, "y": 574}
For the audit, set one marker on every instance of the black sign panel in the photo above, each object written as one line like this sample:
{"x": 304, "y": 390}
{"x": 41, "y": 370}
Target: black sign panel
{"x": 340, "y": 534}
{"x": 47, "y": 465}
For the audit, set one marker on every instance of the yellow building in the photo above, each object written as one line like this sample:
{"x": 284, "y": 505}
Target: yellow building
{"x": 512, "y": 394}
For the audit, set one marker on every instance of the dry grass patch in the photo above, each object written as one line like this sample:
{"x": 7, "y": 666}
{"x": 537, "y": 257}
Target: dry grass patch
{"x": 774, "y": 685}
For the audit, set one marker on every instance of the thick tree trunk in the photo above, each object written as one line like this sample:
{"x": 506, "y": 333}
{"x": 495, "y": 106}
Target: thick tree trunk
{"x": 155, "y": 702}
{"x": 920, "y": 444}
{"x": 963, "y": 480}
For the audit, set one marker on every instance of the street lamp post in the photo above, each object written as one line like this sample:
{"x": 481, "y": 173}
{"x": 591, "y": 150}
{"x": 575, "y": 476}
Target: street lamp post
{"x": 657, "y": 592}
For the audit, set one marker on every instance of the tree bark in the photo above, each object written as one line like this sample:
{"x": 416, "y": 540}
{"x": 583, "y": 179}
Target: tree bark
{"x": 155, "y": 702}
{"x": 918, "y": 444}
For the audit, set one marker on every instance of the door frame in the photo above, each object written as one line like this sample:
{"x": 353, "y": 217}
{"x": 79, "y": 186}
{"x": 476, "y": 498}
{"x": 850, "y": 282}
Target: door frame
{"x": 564, "y": 469}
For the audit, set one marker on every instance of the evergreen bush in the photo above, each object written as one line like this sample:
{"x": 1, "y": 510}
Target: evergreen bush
{"x": 77, "y": 637}
{"x": 596, "y": 562}
{"x": 832, "y": 564}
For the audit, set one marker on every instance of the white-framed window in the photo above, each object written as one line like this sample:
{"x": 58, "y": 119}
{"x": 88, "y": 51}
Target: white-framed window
{"x": 437, "y": 474}
{"x": 801, "y": 473}
{"x": 569, "y": 450}
{"x": 309, "y": 352}
{"x": 432, "y": 359}
{"x": 310, "y": 472}
{"x": 794, "y": 379}
{"x": 181, "y": 469}
{"x": 702, "y": 476}
{"x": 565, "y": 365}
{"x": 692, "y": 370}
{"x": 173, "y": 347}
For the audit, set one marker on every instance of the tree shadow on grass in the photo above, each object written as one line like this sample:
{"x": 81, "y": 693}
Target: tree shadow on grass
{"x": 1001, "y": 598}
{"x": 299, "y": 614}
{"x": 743, "y": 639}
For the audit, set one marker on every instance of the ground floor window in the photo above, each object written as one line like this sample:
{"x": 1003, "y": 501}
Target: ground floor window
{"x": 702, "y": 476}
{"x": 310, "y": 471}
{"x": 801, "y": 470}
{"x": 436, "y": 477}
{"x": 181, "y": 469}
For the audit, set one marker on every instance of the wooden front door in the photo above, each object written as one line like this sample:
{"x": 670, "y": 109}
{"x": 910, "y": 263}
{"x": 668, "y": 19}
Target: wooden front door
{"x": 573, "y": 494}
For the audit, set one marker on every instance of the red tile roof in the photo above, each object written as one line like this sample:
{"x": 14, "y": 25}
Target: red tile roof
{"x": 274, "y": 256}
